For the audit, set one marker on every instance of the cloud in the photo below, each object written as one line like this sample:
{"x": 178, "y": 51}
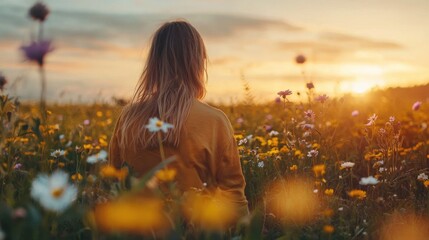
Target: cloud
{"x": 358, "y": 42}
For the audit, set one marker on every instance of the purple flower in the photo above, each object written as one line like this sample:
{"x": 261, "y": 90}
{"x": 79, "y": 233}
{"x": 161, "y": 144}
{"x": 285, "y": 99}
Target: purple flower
{"x": 36, "y": 51}
{"x": 39, "y": 12}
{"x": 284, "y": 93}
{"x": 300, "y": 59}
{"x": 322, "y": 98}
{"x": 3, "y": 81}
{"x": 240, "y": 120}
{"x": 371, "y": 120}
{"x": 310, "y": 85}
{"x": 355, "y": 113}
{"x": 86, "y": 122}
{"x": 309, "y": 114}
{"x": 17, "y": 166}
{"x": 416, "y": 105}
{"x": 278, "y": 100}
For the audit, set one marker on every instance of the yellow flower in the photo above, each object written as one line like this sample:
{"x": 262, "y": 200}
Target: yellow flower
{"x": 131, "y": 215}
{"x": 298, "y": 153}
{"x": 359, "y": 194}
{"x": 284, "y": 149}
{"x": 76, "y": 177}
{"x": 108, "y": 171}
{"x": 319, "y": 170}
{"x": 87, "y": 146}
{"x": 166, "y": 175}
{"x": 328, "y": 212}
{"x": 329, "y": 192}
{"x": 61, "y": 164}
{"x": 328, "y": 229}
{"x": 426, "y": 183}
{"x": 315, "y": 146}
{"x": 293, "y": 168}
{"x": 99, "y": 114}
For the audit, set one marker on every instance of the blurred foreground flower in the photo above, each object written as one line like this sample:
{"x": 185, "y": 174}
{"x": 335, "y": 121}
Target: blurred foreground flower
{"x": 39, "y": 12}
{"x": 292, "y": 201}
{"x": 368, "y": 181}
{"x": 166, "y": 174}
{"x": 53, "y": 192}
{"x": 155, "y": 125}
{"x": 108, "y": 171}
{"x": 37, "y": 50}
{"x": 210, "y": 212}
{"x": 131, "y": 215}
{"x": 3, "y": 81}
{"x": 410, "y": 227}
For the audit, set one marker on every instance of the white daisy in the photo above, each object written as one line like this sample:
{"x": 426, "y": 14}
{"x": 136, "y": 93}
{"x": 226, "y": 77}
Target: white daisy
{"x": 347, "y": 165}
{"x": 368, "y": 181}
{"x": 99, "y": 157}
{"x": 422, "y": 177}
{"x": 261, "y": 164}
{"x": 58, "y": 153}
{"x": 155, "y": 125}
{"x": 53, "y": 192}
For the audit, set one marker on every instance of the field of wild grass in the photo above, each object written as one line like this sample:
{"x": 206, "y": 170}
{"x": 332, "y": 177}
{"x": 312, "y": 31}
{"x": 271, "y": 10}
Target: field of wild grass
{"x": 349, "y": 168}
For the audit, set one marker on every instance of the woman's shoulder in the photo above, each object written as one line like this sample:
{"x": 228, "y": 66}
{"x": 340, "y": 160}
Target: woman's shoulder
{"x": 203, "y": 110}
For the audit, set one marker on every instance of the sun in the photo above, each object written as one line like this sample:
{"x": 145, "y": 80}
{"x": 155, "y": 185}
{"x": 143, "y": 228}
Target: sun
{"x": 361, "y": 86}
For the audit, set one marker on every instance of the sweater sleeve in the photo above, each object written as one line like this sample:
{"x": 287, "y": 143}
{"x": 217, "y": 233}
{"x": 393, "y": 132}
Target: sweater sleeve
{"x": 229, "y": 176}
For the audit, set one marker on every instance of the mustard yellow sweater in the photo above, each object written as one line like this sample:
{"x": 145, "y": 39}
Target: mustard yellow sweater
{"x": 207, "y": 155}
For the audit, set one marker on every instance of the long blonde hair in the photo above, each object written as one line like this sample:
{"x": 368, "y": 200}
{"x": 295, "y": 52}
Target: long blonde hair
{"x": 172, "y": 78}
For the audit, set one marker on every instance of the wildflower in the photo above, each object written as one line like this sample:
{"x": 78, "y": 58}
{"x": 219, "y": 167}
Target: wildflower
{"x": 340, "y": 209}
{"x": 109, "y": 171}
{"x": 322, "y": 98}
{"x": 310, "y": 85}
{"x": 422, "y": 177}
{"x": 210, "y": 212}
{"x": 391, "y": 119}
{"x": 319, "y": 170}
{"x": 371, "y": 120}
{"x": 166, "y": 175}
{"x": 347, "y": 165}
{"x": 359, "y": 194}
{"x": 36, "y": 51}
{"x": 86, "y": 122}
{"x": 39, "y": 12}
{"x": 355, "y": 113}
{"x": 328, "y": 229}
{"x": 307, "y": 126}
{"x": 293, "y": 201}
{"x": 17, "y": 166}
{"x": 53, "y": 192}
{"x": 368, "y": 181}
{"x": 309, "y": 114}
{"x": 416, "y": 106}
{"x": 242, "y": 141}
{"x": 329, "y": 192}
{"x": 19, "y": 213}
{"x": 3, "y": 81}
{"x": 273, "y": 133}
{"x": 312, "y": 153}
{"x": 426, "y": 183}
{"x": 300, "y": 59}
{"x": 261, "y": 164}
{"x": 58, "y": 153}
{"x": 77, "y": 177}
{"x": 293, "y": 167}
{"x": 155, "y": 125}
{"x": 240, "y": 120}
{"x": 277, "y": 100}
{"x": 284, "y": 93}
{"x": 99, "y": 157}
{"x": 131, "y": 215}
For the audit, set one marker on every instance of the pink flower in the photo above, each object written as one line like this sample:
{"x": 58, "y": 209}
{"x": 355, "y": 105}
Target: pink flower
{"x": 310, "y": 85}
{"x": 284, "y": 93}
{"x": 36, "y": 51}
{"x": 300, "y": 59}
{"x": 355, "y": 113}
{"x": 278, "y": 100}
{"x": 416, "y": 105}
{"x": 371, "y": 120}
{"x": 309, "y": 114}
{"x": 322, "y": 98}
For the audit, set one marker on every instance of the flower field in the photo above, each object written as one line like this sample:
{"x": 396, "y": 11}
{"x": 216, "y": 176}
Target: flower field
{"x": 328, "y": 169}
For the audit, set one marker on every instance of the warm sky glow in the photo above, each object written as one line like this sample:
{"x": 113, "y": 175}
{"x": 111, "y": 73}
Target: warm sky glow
{"x": 351, "y": 46}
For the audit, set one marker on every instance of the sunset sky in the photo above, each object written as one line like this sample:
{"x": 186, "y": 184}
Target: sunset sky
{"x": 351, "y": 45}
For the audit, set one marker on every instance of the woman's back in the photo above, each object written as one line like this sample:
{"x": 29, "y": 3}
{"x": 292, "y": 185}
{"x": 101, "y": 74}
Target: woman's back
{"x": 206, "y": 156}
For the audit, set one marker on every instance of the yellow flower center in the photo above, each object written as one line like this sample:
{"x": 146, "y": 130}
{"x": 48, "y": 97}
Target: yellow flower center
{"x": 57, "y": 192}
{"x": 159, "y": 124}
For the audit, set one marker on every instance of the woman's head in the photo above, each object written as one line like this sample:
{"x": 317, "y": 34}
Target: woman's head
{"x": 172, "y": 78}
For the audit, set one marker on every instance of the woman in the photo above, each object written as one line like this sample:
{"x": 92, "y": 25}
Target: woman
{"x": 170, "y": 88}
